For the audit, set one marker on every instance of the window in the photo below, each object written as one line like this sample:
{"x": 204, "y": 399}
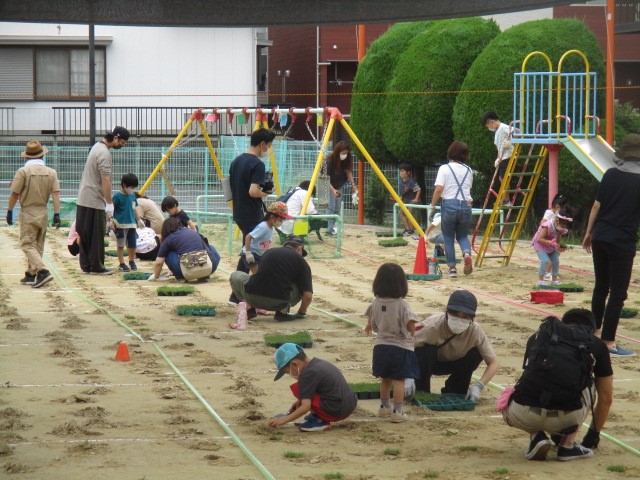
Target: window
{"x": 262, "y": 67}
{"x": 63, "y": 73}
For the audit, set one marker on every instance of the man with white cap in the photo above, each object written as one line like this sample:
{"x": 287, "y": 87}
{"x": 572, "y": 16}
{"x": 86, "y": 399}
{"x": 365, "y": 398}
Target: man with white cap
{"x": 451, "y": 343}
{"x": 33, "y": 184}
{"x": 320, "y": 388}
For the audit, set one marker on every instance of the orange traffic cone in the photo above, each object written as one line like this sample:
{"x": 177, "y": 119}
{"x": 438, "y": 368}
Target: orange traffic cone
{"x": 421, "y": 267}
{"x": 122, "y": 355}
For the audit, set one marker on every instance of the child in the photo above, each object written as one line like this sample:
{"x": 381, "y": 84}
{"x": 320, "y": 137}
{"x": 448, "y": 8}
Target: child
{"x": 258, "y": 240}
{"x": 502, "y": 140}
{"x": 545, "y": 243}
{"x": 126, "y": 220}
{"x": 170, "y": 205}
{"x": 433, "y": 234}
{"x": 73, "y": 240}
{"x": 294, "y": 205}
{"x": 320, "y": 388}
{"x": 558, "y": 203}
{"x": 410, "y": 193}
{"x": 391, "y": 317}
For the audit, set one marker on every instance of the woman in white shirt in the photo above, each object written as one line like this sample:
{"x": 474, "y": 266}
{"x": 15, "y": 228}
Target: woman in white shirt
{"x": 294, "y": 205}
{"x": 453, "y": 185}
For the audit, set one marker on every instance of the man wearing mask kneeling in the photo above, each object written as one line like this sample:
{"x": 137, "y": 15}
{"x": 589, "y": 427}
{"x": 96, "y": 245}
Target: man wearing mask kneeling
{"x": 451, "y": 343}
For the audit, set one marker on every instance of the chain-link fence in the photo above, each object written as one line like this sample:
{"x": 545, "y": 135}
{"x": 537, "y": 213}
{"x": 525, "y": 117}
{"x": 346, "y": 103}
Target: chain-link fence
{"x": 189, "y": 170}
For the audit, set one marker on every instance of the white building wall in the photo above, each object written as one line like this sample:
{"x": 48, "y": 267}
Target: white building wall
{"x": 156, "y": 66}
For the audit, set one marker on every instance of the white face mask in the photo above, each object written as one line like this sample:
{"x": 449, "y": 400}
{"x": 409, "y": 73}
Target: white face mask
{"x": 343, "y": 156}
{"x": 291, "y": 371}
{"x": 492, "y": 129}
{"x": 456, "y": 324}
{"x": 264, "y": 153}
{"x": 129, "y": 191}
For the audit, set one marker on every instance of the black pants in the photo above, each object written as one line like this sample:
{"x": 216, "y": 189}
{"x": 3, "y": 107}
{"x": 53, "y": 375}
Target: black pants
{"x": 91, "y": 225}
{"x": 612, "y": 267}
{"x": 245, "y": 228}
{"x": 150, "y": 255}
{"x": 459, "y": 371}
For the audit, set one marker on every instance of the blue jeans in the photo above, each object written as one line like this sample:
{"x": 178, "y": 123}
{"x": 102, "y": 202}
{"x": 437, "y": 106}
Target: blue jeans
{"x": 545, "y": 258}
{"x": 335, "y": 204}
{"x": 172, "y": 260}
{"x": 456, "y": 220}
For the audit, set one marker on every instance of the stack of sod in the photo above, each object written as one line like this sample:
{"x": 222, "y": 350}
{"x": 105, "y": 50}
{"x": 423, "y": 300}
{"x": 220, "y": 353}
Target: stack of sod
{"x": 302, "y": 338}
{"x": 175, "y": 291}
{"x": 197, "y": 310}
{"x": 393, "y": 242}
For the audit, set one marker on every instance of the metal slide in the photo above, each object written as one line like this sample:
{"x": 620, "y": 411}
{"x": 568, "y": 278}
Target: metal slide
{"x": 594, "y": 153}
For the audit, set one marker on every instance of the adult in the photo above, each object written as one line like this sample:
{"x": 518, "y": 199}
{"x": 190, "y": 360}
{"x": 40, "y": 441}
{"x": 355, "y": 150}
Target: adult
{"x": 539, "y": 403}
{"x": 295, "y": 203}
{"x": 33, "y": 184}
{"x": 340, "y": 171}
{"x": 283, "y": 280}
{"x": 451, "y": 343}
{"x": 150, "y": 213}
{"x": 453, "y": 186}
{"x": 94, "y": 201}
{"x": 612, "y": 235}
{"x": 249, "y": 186}
{"x": 177, "y": 243}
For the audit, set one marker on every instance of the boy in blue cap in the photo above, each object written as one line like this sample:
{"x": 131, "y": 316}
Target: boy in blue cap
{"x": 320, "y": 389}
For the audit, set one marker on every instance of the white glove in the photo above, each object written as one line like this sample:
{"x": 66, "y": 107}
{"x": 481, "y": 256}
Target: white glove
{"x": 496, "y": 163}
{"x": 474, "y": 392}
{"x": 249, "y": 258}
{"x": 432, "y": 212}
{"x": 506, "y": 145}
{"x": 141, "y": 223}
{"x": 409, "y": 387}
{"x": 109, "y": 209}
{"x": 354, "y": 199}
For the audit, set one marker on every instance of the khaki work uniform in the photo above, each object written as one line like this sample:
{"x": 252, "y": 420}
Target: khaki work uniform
{"x": 34, "y": 183}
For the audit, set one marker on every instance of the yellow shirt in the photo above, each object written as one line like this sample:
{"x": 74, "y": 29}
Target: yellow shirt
{"x": 35, "y": 183}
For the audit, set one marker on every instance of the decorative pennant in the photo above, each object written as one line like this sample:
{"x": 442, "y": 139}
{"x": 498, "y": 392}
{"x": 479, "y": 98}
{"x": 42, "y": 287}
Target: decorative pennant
{"x": 284, "y": 118}
{"x": 242, "y": 120}
{"x": 319, "y": 120}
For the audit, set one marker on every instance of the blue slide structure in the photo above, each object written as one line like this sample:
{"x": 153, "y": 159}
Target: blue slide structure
{"x": 594, "y": 153}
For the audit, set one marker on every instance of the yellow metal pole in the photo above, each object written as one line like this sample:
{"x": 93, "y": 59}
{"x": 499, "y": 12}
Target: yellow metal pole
{"x": 381, "y": 176}
{"x": 166, "y": 156}
{"x": 212, "y": 152}
{"x": 316, "y": 169}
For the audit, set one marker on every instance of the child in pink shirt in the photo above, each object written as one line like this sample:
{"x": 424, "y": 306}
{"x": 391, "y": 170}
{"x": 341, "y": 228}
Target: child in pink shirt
{"x": 545, "y": 243}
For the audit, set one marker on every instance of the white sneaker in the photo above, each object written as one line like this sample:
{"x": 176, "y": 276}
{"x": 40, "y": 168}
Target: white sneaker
{"x": 384, "y": 412}
{"x": 547, "y": 277}
{"x": 399, "y": 417}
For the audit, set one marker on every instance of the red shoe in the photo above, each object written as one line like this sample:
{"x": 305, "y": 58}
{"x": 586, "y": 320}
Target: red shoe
{"x": 468, "y": 264}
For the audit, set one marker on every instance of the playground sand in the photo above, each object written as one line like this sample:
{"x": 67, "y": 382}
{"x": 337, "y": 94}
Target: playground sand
{"x": 69, "y": 410}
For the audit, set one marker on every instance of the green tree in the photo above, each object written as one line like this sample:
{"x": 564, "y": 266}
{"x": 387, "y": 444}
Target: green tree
{"x": 371, "y": 80}
{"x": 417, "y": 128}
{"x": 488, "y": 85}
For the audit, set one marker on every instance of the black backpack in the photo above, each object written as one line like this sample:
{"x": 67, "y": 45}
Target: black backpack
{"x": 286, "y": 196}
{"x": 559, "y": 365}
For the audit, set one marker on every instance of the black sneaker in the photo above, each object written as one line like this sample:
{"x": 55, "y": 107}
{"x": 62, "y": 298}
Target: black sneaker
{"x": 283, "y": 317}
{"x": 233, "y": 300}
{"x": 43, "y": 277}
{"x": 132, "y": 266}
{"x": 28, "y": 279}
{"x": 123, "y": 267}
{"x": 251, "y": 313}
{"x": 566, "y": 454}
{"x": 538, "y": 447}
{"x": 104, "y": 271}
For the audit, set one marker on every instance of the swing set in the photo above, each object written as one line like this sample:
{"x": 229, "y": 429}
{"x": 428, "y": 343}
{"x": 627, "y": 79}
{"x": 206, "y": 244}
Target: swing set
{"x": 328, "y": 115}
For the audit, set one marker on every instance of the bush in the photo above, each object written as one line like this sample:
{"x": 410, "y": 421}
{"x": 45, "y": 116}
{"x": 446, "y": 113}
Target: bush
{"x": 375, "y": 200}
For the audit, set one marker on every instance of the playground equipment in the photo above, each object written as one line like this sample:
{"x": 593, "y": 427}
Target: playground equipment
{"x": 538, "y": 134}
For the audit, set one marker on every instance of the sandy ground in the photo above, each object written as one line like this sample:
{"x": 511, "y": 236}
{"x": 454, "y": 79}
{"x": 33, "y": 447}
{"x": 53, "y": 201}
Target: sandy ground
{"x": 195, "y": 398}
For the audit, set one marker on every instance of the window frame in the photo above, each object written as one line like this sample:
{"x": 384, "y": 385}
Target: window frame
{"x": 68, "y": 97}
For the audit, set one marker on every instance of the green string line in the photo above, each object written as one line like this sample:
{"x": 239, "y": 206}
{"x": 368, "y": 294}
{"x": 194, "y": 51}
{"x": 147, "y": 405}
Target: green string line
{"x": 263, "y": 470}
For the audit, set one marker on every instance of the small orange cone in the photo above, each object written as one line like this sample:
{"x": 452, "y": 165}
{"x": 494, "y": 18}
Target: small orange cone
{"x": 122, "y": 355}
{"x": 421, "y": 267}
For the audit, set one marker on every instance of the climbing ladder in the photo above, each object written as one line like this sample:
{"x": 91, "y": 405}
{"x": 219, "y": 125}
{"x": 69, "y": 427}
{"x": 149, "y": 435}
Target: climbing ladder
{"x": 518, "y": 186}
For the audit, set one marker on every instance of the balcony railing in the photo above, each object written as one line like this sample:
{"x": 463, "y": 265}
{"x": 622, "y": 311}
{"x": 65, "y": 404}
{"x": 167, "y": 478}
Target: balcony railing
{"x": 140, "y": 121}
{"x": 7, "y": 120}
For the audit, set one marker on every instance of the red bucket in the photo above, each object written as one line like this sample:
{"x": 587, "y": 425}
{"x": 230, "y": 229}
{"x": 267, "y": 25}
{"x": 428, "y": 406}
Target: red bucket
{"x": 547, "y": 296}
